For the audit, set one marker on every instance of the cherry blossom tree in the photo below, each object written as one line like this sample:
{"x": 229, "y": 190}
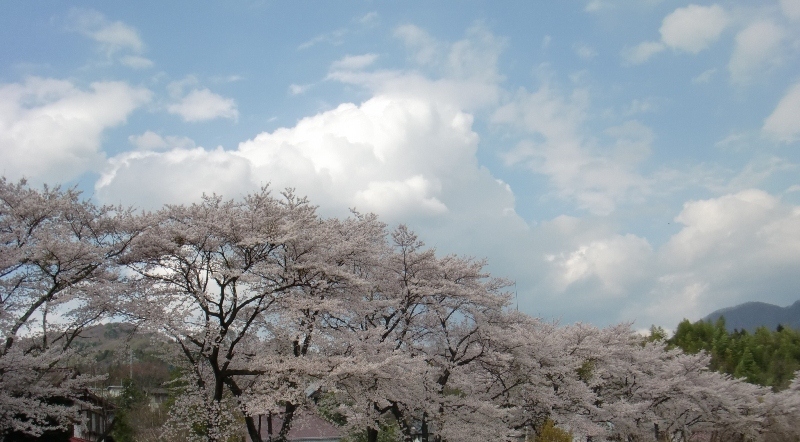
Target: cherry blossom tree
{"x": 431, "y": 315}
{"x": 58, "y": 274}
{"x": 270, "y": 305}
{"x": 645, "y": 391}
{"x": 241, "y": 287}
{"x": 536, "y": 376}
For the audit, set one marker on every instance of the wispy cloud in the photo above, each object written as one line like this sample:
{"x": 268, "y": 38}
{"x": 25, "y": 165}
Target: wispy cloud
{"x": 136, "y": 62}
{"x": 690, "y": 29}
{"x": 299, "y": 89}
{"x": 758, "y": 49}
{"x": 203, "y": 105}
{"x": 354, "y": 62}
{"x": 112, "y": 37}
{"x": 704, "y": 77}
{"x": 153, "y": 141}
{"x": 783, "y": 124}
{"x": 337, "y": 36}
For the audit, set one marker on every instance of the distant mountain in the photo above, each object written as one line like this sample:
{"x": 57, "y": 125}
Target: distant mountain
{"x": 751, "y": 315}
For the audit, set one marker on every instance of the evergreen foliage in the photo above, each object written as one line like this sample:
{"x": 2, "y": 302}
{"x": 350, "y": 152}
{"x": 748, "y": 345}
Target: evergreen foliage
{"x": 132, "y": 397}
{"x": 768, "y": 358}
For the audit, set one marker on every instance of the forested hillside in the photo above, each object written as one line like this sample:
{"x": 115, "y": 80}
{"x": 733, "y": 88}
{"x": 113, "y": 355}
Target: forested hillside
{"x": 121, "y": 352}
{"x": 766, "y": 357}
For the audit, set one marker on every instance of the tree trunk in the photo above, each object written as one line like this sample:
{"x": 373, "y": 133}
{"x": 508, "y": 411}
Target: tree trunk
{"x": 288, "y": 416}
{"x": 252, "y": 430}
{"x": 424, "y": 428}
{"x": 372, "y": 435}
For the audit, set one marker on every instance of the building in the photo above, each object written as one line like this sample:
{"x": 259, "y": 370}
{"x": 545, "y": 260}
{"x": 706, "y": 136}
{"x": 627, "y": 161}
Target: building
{"x": 97, "y": 418}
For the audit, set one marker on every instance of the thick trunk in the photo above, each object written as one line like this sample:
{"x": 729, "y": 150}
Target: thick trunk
{"x": 424, "y": 428}
{"x": 372, "y": 435}
{"x": 253, "y": 429}
{"x": 405, "y": 428}
{"x": 288, "y": 416}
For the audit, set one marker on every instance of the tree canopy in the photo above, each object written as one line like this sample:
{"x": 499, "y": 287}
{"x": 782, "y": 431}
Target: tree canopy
{"x": 269, "y": 309}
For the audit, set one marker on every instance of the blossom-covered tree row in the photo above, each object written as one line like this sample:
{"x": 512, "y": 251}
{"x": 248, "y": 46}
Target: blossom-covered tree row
{"x": 273, "y": 310}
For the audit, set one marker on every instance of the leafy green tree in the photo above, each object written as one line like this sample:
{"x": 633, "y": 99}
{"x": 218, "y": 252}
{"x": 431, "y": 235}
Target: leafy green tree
{"x": 747, "y": 367}
{"x": 656, "y": 334}
{"x": 131, "y": 397}
{"x": 768, "y": 358}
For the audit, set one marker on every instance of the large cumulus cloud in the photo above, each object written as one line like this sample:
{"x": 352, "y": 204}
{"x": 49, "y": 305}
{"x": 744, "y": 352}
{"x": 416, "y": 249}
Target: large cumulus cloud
{"x": 51, "y": 129}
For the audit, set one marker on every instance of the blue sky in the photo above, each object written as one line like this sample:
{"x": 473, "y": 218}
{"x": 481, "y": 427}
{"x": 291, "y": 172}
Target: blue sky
{"x": 619, "y": 160}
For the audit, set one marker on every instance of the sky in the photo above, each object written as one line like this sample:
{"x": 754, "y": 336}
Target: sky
{"x": 618, "y": 160}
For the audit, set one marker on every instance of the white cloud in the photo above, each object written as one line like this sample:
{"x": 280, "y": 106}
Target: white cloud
{"x": 396, "y": 197}
{"x": 791, "y": 9}
{"x": 600, "y": 5}
{"x": 369, "y": 19}
{"x": 736, "y": 246}
{"x": 584, "y": 51}
{"x": 111, "y": 36}
{"x": 176, "y": 88}
{"x": 148, "y": 179}
{"x": 407, "y": 153}
{"x": 464, "y": 73}
{"x": 690, "y": 29}
{"x": 639, "y": 106}
{"x": 596, "y": 177}
{"x": 118, "y": 35}
{"x": 704, "y": 77}
{"x": 202, "y": 105}
{"x": 694, "y": 28}
{"x": 335, "y": 38}
{"x": 727, "y": 250}
{"x": 136, "y": 62}
{"x": 784, "y": 123}
{"x": 711, "y": 226}
{"x": 673, "y": 297}
{"x": 153, "y": 141}
{"x": 736, "y": 140}
{"x": 425, "y": 48}
{"x": 595, "y": 5}
{"x": 642, "y": 52}
{"x": 397, "y": 156}
{"x": 354, "y": 62}
{"x": 612, "y": 264}
{"x": 474, "y": 57}
{"x": 299, "y": 89}
{"x": 50, "y": 130}
{"x": 759, "y": 169}
{"x": 758, "y": 49}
